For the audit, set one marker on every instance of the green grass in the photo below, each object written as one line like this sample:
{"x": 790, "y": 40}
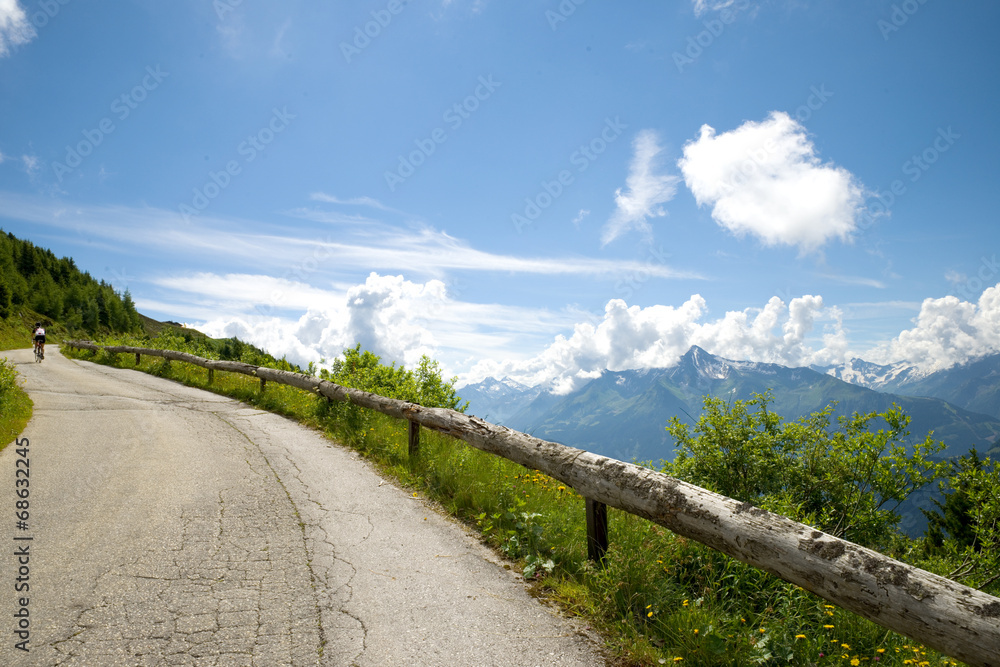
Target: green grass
{"x": 659, "y": 599}
{"x": 15, "y": 405}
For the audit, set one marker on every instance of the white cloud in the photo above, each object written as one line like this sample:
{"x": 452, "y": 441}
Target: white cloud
{"x": 647, "y": 190}
{"x": 854, "y": 280}
{"x": 396, "y": 318}
{"x": 368, "y": 245}
{"x": 765, "y": 179}
{"x": 383, "y": 314}
{"x": 31, "y": 164}
{"x": 702, "y": 6}
{"x": 657, "y": 336}
{"x": 353, "y": 201}
{"x": 15, "y": 29}
{"x": 237, "y": 292}
{"x": 948, "y": 331}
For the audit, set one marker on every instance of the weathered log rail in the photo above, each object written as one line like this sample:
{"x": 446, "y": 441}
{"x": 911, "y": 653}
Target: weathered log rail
{"x": 956, "y": 620}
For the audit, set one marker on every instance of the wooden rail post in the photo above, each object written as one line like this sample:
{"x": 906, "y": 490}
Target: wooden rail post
{"x": 137, "y": 358}
{"x": 211, "y": 375}
{"x": 597, "y": 530}
{"x": 263, "y": 383}
{"x": 414, "y": 450}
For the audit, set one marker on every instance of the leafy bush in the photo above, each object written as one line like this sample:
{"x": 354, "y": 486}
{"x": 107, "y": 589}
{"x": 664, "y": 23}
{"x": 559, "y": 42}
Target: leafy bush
{"x": 970, "y": 515}
{"x": 847, "y": 482}
{"x": 8, "y": 377}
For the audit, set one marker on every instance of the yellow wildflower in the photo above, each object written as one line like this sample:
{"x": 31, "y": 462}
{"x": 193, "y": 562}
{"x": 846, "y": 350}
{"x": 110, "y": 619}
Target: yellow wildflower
{"x": 800, "y": 636}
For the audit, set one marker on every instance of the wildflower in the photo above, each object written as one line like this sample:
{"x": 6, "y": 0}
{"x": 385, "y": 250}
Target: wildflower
{"x": 696, "y": 630}
{"x": 855, "y": 662}
{"x": 880, "y": 650}
{"x": 846, "y": 647}
{"x": 829, "y": 606}
{"x": 800, "y": 636}
{"x": 649, "y": 615}
{"x": 678, "y": 659}
{"x": 684, "y": 604}
{"x": 762, "y": 631}
{"x": 828, "y": 627}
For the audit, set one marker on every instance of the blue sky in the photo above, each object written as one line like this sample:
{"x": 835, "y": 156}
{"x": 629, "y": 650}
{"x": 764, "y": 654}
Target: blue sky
{"x": 540, "y": 189}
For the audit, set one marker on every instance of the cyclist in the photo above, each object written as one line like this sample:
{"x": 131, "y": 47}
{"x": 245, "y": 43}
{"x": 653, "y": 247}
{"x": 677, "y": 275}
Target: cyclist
{"x": 38, "y": 335}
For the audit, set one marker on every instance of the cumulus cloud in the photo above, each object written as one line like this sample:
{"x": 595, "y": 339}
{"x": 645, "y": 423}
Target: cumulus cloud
{"x": 948, "y": 331}
{"x": 647, "y": 190}
{"x": 385, "y": 314}
{"x": 765, "y": 179}
{"x": 15, "y": 29}
{"x": 630, "y": 337}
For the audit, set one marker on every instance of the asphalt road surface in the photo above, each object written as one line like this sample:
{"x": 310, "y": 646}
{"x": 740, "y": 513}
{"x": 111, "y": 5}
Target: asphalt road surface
{"x": 171, "y": 526}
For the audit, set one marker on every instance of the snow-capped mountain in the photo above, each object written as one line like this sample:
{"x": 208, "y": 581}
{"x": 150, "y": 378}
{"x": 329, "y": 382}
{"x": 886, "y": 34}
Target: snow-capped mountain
{"x": 498, "y": 400}
{"x": 974, "y": 385}
{"x": 873, "y": 376}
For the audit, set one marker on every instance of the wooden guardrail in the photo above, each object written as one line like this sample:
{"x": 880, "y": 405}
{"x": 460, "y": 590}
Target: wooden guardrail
{"x": 951, "y": 618}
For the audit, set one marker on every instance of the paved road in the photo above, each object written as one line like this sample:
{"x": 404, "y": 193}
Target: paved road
{"x": 172, "y": 526}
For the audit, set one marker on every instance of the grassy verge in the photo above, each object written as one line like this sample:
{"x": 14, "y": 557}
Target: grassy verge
{"x": 15, "y": 406}
{"x": 660, "y": 599}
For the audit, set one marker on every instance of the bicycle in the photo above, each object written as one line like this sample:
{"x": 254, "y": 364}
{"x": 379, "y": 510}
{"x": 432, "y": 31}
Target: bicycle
{"x": 39, "y": 352}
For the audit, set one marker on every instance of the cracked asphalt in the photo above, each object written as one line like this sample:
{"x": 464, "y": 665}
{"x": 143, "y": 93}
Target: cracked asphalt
{"x": 172, "y": 526}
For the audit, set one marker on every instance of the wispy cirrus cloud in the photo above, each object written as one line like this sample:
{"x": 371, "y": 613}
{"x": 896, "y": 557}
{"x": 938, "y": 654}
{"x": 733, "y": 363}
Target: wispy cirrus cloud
{"x": 364, "y": 245}
{"x": 647, "y": 189}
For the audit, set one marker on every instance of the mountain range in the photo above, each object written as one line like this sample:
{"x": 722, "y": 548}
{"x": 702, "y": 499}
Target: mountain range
{"x": 623, "y": 414}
